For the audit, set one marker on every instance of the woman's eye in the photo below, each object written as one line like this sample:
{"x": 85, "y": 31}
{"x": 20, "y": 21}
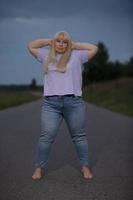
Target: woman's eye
{"x": 62, "y": 41}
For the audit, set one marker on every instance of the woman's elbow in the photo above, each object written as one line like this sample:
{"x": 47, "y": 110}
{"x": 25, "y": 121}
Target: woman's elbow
{"x": 95, "y": 50}
{"x": 28, "y": 47}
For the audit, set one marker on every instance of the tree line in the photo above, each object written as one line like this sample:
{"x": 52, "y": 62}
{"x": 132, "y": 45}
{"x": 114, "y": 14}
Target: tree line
{"x": 101, "y": 69}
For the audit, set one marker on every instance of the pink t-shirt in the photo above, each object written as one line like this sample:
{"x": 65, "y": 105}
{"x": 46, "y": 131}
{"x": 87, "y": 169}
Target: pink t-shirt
{"x": 70, "y": 82}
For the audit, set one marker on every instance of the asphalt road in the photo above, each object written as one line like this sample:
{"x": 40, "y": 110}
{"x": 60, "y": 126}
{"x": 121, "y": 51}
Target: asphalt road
{"x": 110, "y": 137}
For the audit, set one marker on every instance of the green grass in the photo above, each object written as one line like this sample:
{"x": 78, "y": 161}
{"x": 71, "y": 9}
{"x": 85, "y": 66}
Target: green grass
{"x": 116, "y": 95}
{"x": 10, "y": 97}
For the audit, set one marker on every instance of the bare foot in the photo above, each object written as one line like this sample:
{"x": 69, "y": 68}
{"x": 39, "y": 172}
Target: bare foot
{"x": 87, "y": 172}
{"x": 37, "y": 174}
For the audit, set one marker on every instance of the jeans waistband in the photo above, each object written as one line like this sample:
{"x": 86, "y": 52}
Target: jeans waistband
{"x": 66, "y": 95}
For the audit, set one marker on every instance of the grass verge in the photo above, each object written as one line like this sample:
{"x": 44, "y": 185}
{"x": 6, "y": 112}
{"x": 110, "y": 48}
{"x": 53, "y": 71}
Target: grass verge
{"x": 115, "y": 95}
{"x": 10, "y": 98}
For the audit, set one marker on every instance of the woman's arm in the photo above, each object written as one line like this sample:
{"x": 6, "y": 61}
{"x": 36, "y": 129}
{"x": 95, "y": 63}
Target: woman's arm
{"x": 92, "y": 49}
{"x": 34, "y": 45}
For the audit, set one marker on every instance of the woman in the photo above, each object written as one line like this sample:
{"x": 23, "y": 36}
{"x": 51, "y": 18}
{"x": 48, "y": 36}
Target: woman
{"x": 62, "y": 63}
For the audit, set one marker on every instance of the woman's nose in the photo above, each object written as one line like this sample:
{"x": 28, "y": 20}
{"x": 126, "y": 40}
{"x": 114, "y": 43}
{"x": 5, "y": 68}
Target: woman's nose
{"x": 61, "y": 43}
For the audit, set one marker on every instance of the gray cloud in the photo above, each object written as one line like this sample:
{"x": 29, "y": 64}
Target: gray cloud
{"x": 61, "y": 8}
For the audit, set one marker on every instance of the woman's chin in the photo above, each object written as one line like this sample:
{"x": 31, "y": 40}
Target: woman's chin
{"x": 60, "y": 50}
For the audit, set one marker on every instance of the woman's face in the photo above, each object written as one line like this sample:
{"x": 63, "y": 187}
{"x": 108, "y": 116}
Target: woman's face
{"x": 60, "y": 44}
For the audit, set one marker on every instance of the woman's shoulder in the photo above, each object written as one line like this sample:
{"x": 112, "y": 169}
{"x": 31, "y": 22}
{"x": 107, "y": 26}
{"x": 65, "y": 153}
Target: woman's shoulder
{"x": 42, "y": 53}
{"x": 43, "y": 50}
{"x": 80, "y": 54}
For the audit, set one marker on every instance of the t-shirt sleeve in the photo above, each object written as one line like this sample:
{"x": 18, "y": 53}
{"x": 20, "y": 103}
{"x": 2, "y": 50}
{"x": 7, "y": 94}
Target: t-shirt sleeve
{"x": 42, "y": 54}
{"x": 84, "y": 55}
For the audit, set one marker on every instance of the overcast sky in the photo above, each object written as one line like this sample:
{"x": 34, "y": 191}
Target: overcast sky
{"x": 108, "y": 21}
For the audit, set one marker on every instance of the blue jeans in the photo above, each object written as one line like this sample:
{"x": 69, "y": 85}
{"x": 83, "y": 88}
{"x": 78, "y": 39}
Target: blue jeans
{"x": 54, "y": 109}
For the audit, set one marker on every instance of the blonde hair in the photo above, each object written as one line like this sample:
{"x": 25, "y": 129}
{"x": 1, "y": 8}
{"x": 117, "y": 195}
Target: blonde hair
{"x": 61, "y": 64}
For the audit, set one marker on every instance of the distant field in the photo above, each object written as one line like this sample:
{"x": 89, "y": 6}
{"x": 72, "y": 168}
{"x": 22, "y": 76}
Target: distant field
{"x": 116, "y": 95}
{"x": 10, "y": 98}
